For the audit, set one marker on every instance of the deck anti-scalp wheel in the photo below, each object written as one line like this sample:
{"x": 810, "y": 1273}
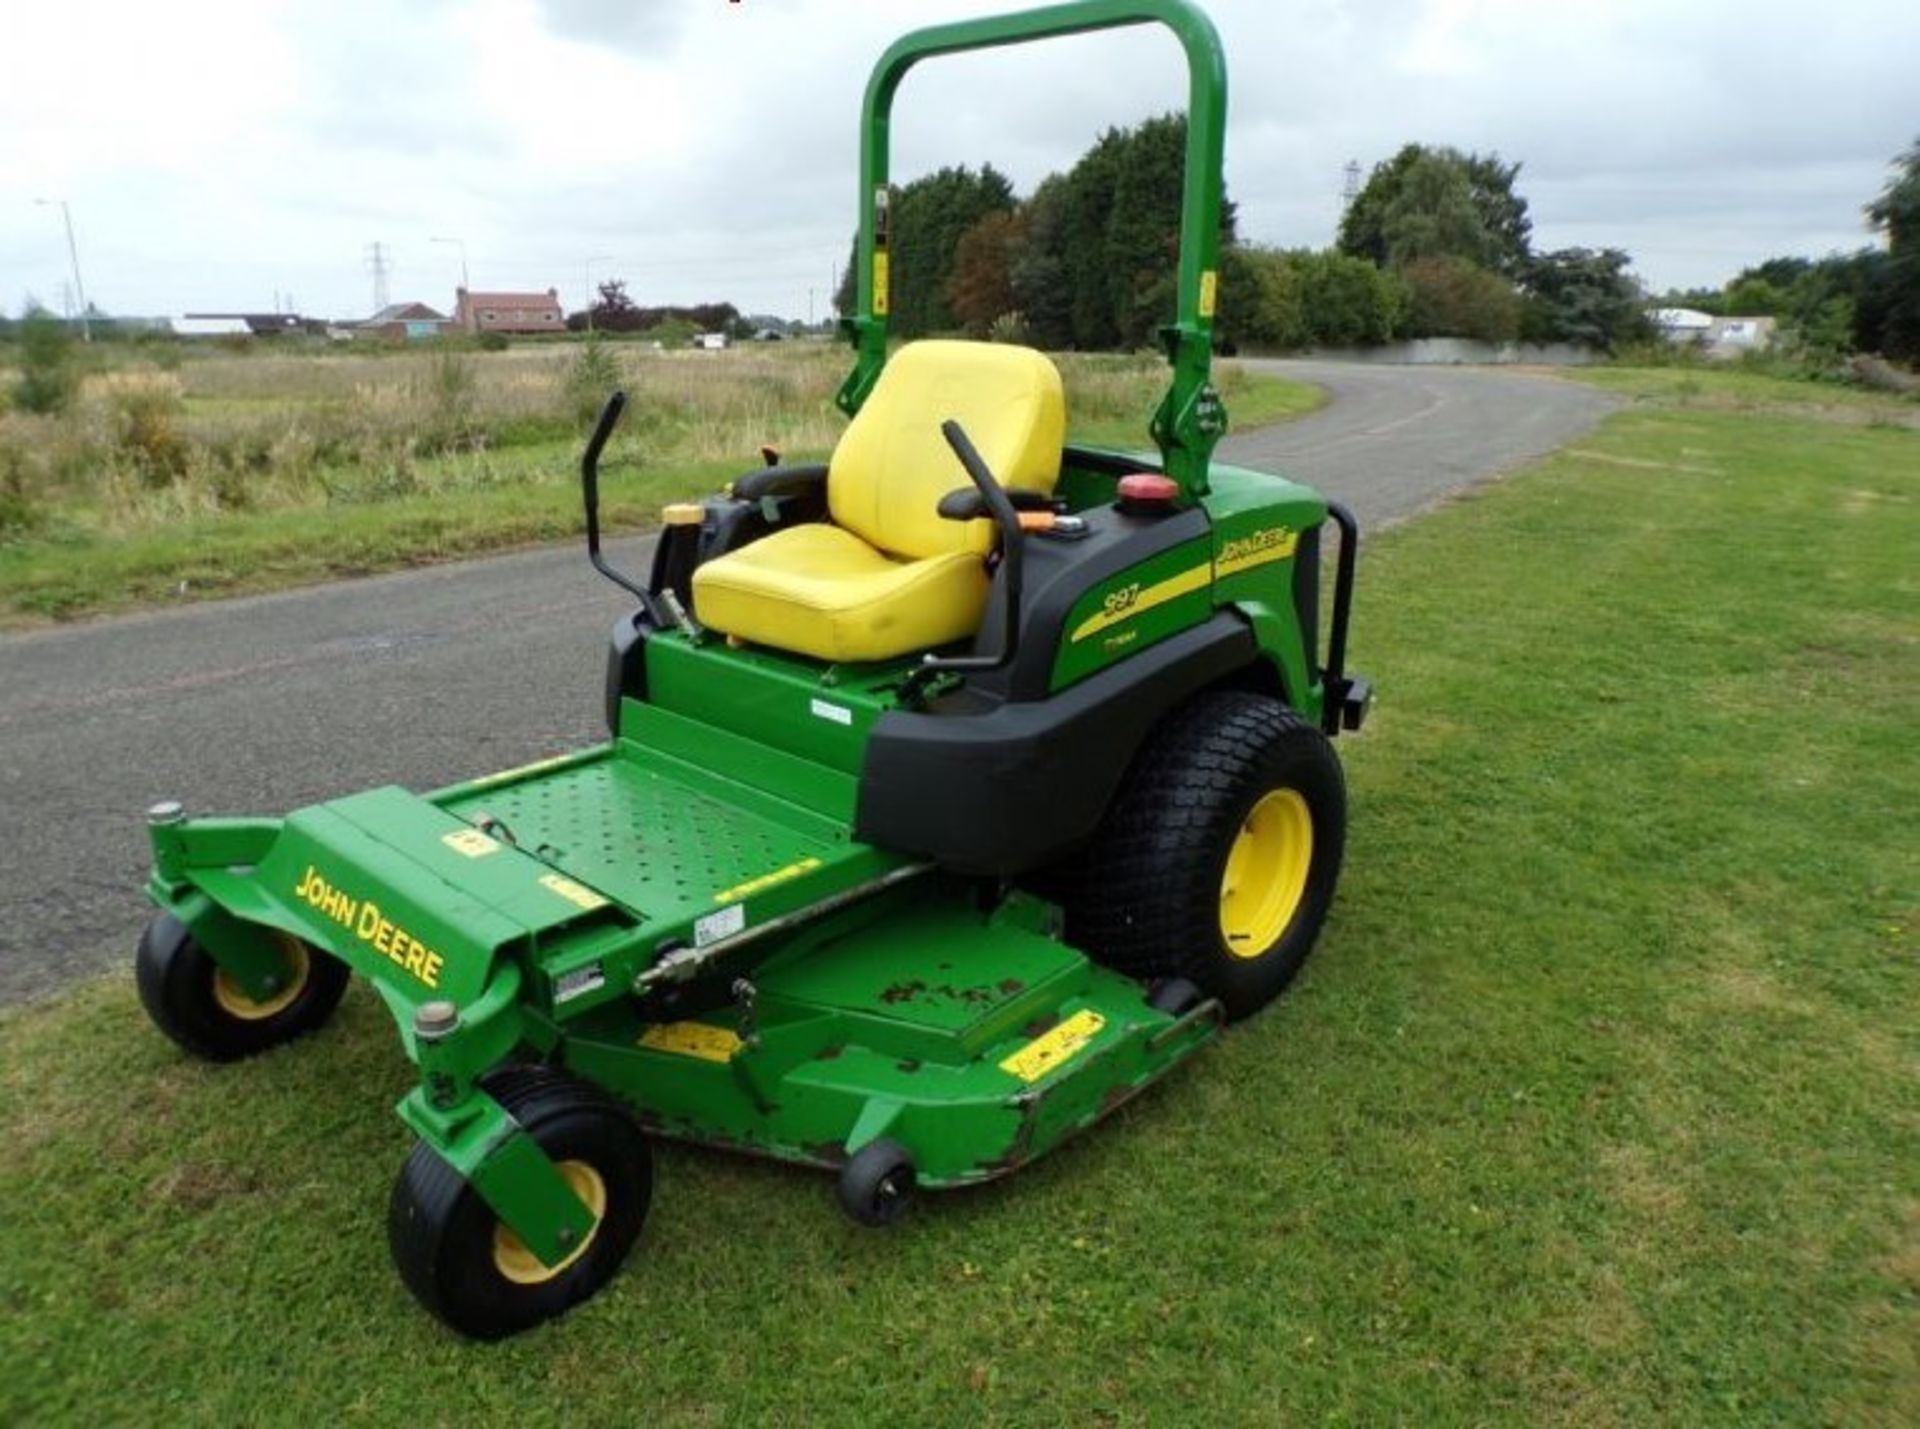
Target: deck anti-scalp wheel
{"x": 201, "y": 1007}
{"x": 467, "y": 1267}
{"x": 1217, "y": 859}
{"x": 877, "y": 1183}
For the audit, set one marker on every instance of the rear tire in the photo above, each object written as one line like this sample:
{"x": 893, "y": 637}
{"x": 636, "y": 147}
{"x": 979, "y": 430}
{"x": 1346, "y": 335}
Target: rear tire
{"x": 464, "y": 1265}
{"x": 1218, "y": 857}
{"x": 197, "y": 1004}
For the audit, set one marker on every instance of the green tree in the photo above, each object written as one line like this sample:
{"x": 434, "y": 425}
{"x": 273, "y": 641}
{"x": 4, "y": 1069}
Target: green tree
{"x": 1753, "y": 296}
{"x": 929, "y": 216}
{"x": 1089, "y": 207}
{"x": 1451, "y": 297}
{"x": 981, "y": 286}
{"x": 1261, "y": 300}
{"x": 1896, "y": 213}
{"x": 1348, "y": 302}
{"x": 48, "y": 380}
{"x": 1585, "y": 295}
{"x": 1431, "y": 202}
{"x": 1037, "y": 266}
{"x": 1120, "y": 232}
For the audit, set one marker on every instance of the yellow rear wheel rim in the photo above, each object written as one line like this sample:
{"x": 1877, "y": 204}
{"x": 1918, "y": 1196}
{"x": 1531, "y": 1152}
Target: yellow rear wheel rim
{"x": 520, "y": 1265}
{"x": 1266, "y": 875}
{"x": 233, "y": 1000}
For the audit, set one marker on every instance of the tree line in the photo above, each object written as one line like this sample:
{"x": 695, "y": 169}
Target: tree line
{"x": 1437, "y": 243}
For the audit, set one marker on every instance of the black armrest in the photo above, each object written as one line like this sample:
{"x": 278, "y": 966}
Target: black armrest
{"x": 966, "y": 504}
{"x": 778, "y": 481}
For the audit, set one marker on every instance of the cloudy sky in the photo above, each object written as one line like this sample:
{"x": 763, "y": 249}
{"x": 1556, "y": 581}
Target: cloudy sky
{"x": 219, "y": 152}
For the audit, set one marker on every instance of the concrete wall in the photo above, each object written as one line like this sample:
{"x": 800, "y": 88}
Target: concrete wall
{"x": 1442, "y": 351}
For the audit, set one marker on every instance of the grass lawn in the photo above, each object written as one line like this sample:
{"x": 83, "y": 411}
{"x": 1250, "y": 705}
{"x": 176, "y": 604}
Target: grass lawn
{"x": 1599, "y": 1104}
{"x": 1733, "y": 388}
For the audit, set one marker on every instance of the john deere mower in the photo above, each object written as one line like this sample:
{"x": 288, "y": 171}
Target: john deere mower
{"x": 956, "y": 790}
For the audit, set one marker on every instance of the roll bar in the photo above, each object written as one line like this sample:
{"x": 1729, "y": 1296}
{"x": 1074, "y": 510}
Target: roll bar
{"x": 1190, "y": 417}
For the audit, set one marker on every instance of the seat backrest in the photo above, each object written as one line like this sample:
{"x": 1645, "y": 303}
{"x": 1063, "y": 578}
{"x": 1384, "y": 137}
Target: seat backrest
{"x": 892, "y": 465}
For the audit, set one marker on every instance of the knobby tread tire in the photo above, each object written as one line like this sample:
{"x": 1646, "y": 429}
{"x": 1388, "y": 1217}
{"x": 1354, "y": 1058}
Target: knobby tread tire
{"x": 1144, "y": 897}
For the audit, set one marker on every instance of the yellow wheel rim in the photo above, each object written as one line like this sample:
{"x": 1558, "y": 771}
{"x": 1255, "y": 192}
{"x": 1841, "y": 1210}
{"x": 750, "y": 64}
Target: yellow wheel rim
{"x": 1266, "y": 876}
{"x": 520, "y": 1265}
{"x": 233, "y": 1000}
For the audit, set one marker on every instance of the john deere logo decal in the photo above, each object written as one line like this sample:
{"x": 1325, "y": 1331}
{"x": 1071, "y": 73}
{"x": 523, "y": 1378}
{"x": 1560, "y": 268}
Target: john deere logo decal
{"x": 1275, "y": 543}
{"x": 362, "y": 917}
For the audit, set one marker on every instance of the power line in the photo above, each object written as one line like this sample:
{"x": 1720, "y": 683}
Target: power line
{"x": 379, "y": 263}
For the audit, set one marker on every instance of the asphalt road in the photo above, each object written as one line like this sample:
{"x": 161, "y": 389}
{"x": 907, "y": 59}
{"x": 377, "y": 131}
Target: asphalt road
{"x": 261, "y": 704}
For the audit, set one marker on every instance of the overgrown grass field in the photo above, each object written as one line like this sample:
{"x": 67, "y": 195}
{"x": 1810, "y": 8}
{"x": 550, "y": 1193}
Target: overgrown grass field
{"x": 1599, "y": 1103}
{"x": 225, "y": 473}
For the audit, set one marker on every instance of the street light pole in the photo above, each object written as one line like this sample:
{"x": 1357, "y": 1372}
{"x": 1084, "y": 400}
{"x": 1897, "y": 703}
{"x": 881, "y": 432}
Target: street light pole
{"x": 597, "y": 258}
{"x": 73, "y": 255}
{"x": 466, "y": 284}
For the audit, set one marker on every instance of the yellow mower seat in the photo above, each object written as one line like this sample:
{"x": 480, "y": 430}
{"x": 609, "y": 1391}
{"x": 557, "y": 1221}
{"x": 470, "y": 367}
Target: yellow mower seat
{"x": 890, "y": 576}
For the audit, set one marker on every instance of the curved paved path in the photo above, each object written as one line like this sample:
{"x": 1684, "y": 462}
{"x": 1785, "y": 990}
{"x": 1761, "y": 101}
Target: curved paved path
{"x": 424, "y": 677}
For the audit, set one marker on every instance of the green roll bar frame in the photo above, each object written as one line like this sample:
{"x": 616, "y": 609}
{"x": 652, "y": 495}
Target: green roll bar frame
{"x": 1191, "y": 417}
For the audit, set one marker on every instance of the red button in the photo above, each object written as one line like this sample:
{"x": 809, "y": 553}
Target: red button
{"x": 1148, "y": 487}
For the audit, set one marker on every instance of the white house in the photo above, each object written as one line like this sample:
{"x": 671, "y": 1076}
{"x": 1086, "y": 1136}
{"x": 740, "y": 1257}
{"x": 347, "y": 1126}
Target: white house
{"x": 1682, "y": 324}
{"x": 1716, "y": 337}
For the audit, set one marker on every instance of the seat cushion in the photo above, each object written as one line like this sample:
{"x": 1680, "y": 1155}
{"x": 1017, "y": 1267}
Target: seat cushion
{"x": 822, "y": 591}
{"x": 892, "y": 465}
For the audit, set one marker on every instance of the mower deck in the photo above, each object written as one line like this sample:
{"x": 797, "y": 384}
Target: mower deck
{"x": 843, "y": 993}
{"x": 973, "y": 1039}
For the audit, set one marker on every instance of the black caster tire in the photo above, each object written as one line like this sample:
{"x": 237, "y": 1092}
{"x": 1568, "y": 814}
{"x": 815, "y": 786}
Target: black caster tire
{"x": 193, "y": 1000}
{"x": 473, "y": 1273}
{"x": 1174, "y": 996}
{"x": 1217, "y": 860}
{"x": 877, "y": 1183}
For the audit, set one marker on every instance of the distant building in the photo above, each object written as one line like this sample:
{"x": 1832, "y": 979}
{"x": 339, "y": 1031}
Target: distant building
{"x": 404, "y": 321}
{"x": 1681, "y": 324}
{"x": 211, "y": 325}
{"x": 509, "y": 312}
{"x": 1729, "y": 336}
{"x": 712, "y": 341}
{"x": 1715, "y": 336}
{"x": 248, "y": 324}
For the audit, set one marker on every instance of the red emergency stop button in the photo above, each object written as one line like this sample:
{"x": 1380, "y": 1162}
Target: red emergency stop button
{"x": 1147, "y": 493}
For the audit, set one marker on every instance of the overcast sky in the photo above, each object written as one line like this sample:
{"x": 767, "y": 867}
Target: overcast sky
{"x": 216, "y": 152}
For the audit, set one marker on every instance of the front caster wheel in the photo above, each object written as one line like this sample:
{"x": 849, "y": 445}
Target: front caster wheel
{"x": 877, "y": 1183}
{"x": 464, "y": 1264}
{"x": 200, "y": 1006}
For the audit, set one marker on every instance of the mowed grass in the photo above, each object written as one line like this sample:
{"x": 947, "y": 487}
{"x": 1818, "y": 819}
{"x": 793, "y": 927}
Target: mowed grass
{"x": 1599, "y": 1103}
{"x": 1737, "y": 387}
{"x": 107, "y": 538}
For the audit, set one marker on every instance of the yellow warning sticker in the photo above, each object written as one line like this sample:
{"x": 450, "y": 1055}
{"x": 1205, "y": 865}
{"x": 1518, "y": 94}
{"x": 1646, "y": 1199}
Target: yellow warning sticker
{"x": 766, "y": 881}
{"x": 692, "y": 1039}
{"x": 1050, "y": 1049}
{"x": 880, "y": 283}
{"x": 471, "y": 842}
{"x": 509, "y": 776}
{"x": 578, "y": 894}
{"x": 1209, "y": 292}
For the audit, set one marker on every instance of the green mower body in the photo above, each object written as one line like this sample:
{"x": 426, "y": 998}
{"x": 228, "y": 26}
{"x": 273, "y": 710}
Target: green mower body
{"x": 895, "y": 918}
